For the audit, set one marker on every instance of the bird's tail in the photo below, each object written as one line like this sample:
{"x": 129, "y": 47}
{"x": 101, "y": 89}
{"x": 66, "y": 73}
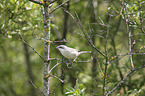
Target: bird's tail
{"x": 81, "y": 52}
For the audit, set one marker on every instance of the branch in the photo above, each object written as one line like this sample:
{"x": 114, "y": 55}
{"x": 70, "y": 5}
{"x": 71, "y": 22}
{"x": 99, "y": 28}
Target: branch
{"x": 87, "y": 37}
{"x": 39, "y": 38}
{"x": 47, "y": 30}
{"x": 141, "y": 18}
{"x": 37, "y": 2}
{"x": 58, "y": 6}
{"x": 55, "y": 88}
{"x": 84, "y": 32}
{"x": 58, "y": 78}
{"x": 49, "y": 75}
{"x": 135, "y": 53}
{"x": 123, "y": 55}
{"x": 54, "y": 67}
{"x": 137, "y": 34}
{"x": 36, "y": 87}
{"x": 100, "y": 67}
{"x": 106, "y": 53}
{"x": 122, "y": 81}
{"x": 31, "y": 48}
{"x": 129, "y": 42}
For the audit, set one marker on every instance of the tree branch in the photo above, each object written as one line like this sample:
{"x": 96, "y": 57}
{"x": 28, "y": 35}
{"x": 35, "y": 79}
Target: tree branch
{"x": 129, "y": 42}
{"x": 54, "y": 67}
{"x": 47, "y": 30}
{"x": 32, "y": 48}
{"x": 84, "y": 32}
{"x": 122, "y": 81}
{"x": 36, "y": 87}
{"x": 58, "y": 6}
{"x": 106, "y": 53}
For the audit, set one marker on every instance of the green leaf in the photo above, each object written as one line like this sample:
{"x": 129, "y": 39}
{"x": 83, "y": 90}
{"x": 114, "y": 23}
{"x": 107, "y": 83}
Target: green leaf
{"x": 12, "y": 1}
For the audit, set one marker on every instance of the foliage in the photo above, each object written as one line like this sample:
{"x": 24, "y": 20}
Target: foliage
{"x": 78, "y": 90}
{"x": 115, "y": 28}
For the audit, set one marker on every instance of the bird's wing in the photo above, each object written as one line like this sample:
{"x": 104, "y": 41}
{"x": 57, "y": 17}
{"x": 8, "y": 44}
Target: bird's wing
{"x": 72, "y": 50}
{"x": 80, "y": 52}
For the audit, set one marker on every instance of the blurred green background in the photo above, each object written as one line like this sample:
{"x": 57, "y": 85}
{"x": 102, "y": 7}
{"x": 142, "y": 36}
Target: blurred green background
{"x": 19, "y": 63}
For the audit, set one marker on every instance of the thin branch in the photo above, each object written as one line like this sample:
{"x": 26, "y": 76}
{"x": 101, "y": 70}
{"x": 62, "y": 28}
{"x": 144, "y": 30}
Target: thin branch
{"x": 58, "y": 6}
{"x": 52, "y": 1}
{"x": 100, "y": 67}
{"x": 84, "y": 32}
{"x": 57, "y": 78}
{"x": 115, "y": 50}
{"x": 87, "y": 37}
{"x": 36, "y": 87}
{"x": 122, "y": 81}
{"x": 37, "y": 2}
{"x": 129, "y": 42}
{"x": 49, "y": 75}
{"x": 123, "y": 55}
{"x": 106, "y": 53}
{"x": 137, "y": 34}
{"x": 135, "y": 53}
{"x": 141, "y": 18}
{"x": 83, "y": 61}
{"x": 54, "y": 67}
{"x": 102, "y": 23}
{"x": 55, "y": 88}
{"x": 39, "y": 38}
{"x": 138, "y": 53}
{"x": 32, "y": 48}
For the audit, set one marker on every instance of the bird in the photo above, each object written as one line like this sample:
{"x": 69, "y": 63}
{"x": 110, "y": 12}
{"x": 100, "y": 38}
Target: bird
{"x": 70, "y": 53}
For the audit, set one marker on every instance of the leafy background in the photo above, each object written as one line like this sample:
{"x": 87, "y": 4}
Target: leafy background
{"x": 19, "y": 63}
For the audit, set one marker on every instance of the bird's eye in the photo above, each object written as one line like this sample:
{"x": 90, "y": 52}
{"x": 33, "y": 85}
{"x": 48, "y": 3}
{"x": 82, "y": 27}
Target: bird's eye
{"x": 61, "y": 47}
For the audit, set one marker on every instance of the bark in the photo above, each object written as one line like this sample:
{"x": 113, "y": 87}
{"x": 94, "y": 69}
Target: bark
{"x": 46, "y": 47}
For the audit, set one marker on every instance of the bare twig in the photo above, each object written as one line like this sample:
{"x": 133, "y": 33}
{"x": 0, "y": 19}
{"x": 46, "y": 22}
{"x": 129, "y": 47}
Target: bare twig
{"x": 32, "y": 48}
{"x": 100, "y": 67}
{"x": 137, "y": 34}
{"x": 141, "y": 18}
{"x": 129, "y": 42}
{"x": 122, "y": 81}
{"x": 55, "y": 88}
{"x": 106, "y": 53}
{"x": 39, "y": 38}
{"x": 135, "y": 53}
{"x": 115, "y": 50}
{"x": 36, "y": 87}
{"x": 77, "y": 21}
{"x": 58, "y": 78}
{"x": 58, "y": 6}
{"x": 54, "y": 67}
{"x": 123, "y": 55}
{"x": 49, "y": 75}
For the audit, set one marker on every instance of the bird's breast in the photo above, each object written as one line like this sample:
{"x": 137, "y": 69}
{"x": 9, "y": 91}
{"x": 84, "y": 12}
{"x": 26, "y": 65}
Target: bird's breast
{"x": 68, "y": 54}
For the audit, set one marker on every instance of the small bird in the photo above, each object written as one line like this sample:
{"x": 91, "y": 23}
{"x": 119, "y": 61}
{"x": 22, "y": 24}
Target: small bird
{"x": 70, "y": 53}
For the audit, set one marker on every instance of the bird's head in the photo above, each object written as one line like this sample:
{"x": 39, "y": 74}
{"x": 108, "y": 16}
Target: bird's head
{"x": 61, "y": 47}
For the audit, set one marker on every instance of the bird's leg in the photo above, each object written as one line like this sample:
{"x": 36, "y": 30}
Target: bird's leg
{"x": 68, "y": 65}
{"x": 71, "y": 63}
{"x": 74, "y": 60}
